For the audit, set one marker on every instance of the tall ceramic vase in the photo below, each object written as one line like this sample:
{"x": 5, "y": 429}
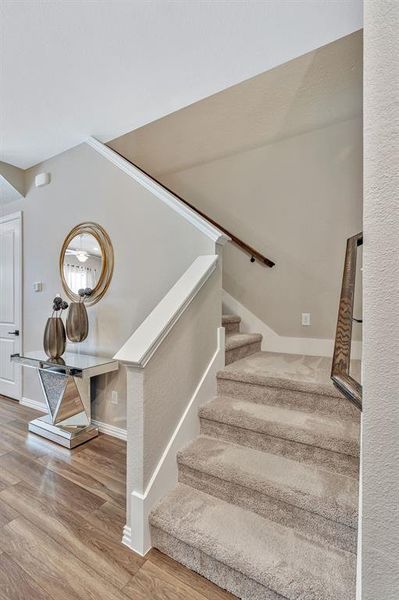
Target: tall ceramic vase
{"x": 54, "y": 338}
{"x": 77, "y": 324}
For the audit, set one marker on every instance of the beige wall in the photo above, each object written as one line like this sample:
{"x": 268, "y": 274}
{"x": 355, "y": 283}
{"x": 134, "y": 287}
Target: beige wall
{"x": 164, "y": 396}
{"x": 172, "y": 375}
{"x": 161, "y": 391}
{"x": 277, "y": 160}
{"x": 296, "y": 200}
{"x": 153, "y": 246}
{"x": 314, "y": 90}
{"x": 12, "y": 183}
{"x": 380, "y": 432}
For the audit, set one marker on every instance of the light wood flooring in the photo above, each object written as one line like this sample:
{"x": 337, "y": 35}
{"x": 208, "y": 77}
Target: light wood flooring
{"x": 61, "y": 519}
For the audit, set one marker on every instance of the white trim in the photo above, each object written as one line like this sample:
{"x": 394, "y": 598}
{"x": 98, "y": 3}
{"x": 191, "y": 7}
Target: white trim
{"x": 273, "y": 342}
{"x": 111, "y": 430}
{"x": 41, "y": 406}
{"x": 127, "y": 536}
{"x": 142, "y": 344}
{"x": 18, "y": 216}
{"x": 164, "y": 477}
{"x": 360, "y": 519}
{"x": 159, "y": 191}
{"x": 11, "y": 216}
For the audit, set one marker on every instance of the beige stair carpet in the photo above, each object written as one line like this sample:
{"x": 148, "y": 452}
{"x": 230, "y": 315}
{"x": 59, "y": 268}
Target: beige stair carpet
{"x": 272, "y": 555}
{"x": 240, "y": 345}
{"x": 231, "y": 323}
{"x": 316, "y": 501}
{"x": 266, "y": 505}
{"x": 287, "y": 379}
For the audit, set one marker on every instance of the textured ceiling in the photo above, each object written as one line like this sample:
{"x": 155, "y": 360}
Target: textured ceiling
{"x": 309, "y": 92}
{"x": 70, "y": 68}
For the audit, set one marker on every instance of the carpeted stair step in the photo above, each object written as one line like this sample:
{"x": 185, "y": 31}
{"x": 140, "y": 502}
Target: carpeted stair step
{"x": 240, "y": 345}
{"x": 290, "y": 380}
{"x": 231, "y": 323}
{"x": 252, "y": 557}
{"x": 321, "y": 440}
{"x": 319, "y": 503}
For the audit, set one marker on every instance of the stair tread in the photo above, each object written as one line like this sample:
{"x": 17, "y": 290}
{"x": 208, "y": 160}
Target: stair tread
{"x": 330, "y": 494}
{"x": 236, "y": 340}
{"x": 230, "y": 319}
{"x": 271, "y": 554}
{"x": 290, "y": 371}
{"x": 324, "y": 431}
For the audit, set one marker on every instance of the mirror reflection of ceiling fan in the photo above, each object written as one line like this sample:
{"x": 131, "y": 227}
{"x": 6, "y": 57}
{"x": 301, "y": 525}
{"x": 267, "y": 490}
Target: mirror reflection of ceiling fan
{"x": 81, "y": 255}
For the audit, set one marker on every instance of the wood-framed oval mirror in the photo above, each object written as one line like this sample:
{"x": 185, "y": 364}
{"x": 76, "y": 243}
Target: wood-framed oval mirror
{"x": 86, "y": 261}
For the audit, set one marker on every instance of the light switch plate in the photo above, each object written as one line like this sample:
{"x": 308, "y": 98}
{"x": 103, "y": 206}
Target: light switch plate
{"x": 305, "y": 319}
{"x": 37, "y": 286}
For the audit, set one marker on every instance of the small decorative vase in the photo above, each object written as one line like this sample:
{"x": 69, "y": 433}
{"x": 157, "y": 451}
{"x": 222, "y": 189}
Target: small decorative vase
{"x": 77, "y": 324}
{"x": 54, "y": 338}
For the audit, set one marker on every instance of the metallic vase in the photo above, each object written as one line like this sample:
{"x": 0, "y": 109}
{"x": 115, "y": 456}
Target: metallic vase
{"x": 77, "y": 324}
{"x": 54, "y": 338}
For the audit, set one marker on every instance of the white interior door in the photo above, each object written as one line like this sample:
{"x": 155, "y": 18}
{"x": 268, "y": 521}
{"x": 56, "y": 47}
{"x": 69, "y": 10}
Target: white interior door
{"x": 10, "y": 304}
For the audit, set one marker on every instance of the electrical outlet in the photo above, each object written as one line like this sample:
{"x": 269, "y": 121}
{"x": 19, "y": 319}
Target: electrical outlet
{"x": 305, "y": 319}
{"x": 114, "y": 397}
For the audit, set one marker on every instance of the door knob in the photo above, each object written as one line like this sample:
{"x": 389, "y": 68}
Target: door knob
{"x": 16, "y": 332}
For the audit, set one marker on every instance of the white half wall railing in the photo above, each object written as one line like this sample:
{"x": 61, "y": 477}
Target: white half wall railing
{"x": 171, "y": 362}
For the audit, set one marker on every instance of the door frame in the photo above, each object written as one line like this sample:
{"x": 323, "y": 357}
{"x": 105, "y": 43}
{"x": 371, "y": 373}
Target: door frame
{"x": 17, "y": 216}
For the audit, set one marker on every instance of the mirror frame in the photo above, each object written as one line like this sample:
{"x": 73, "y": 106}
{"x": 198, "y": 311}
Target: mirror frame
{"x": 107, "y": 252}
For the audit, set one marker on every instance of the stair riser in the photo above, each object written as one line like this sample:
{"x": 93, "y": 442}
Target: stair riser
{"x": 225, "y": 577}
{"x": 232, "y": 328}
{"x": 241, "y": 352}
{"x": 334, "y": 442}
{"x": 340, "y": 463}
{"x": 261, "y": 394}
{"x": 314, "y": 526}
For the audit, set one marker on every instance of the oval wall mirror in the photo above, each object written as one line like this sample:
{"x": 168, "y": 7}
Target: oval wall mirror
{"x": 86, "y": 261}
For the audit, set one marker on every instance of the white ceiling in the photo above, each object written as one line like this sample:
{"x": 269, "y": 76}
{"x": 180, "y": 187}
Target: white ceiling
{"x": 72, "y": 68}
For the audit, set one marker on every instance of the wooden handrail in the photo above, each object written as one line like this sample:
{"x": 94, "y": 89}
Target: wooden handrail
{"x": 254, "y": 254}
{"x": 340, "y": 375}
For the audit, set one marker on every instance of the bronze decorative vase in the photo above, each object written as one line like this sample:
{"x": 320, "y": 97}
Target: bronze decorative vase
{"x": 77, "y": 324}
{"x": 54, "y": 337}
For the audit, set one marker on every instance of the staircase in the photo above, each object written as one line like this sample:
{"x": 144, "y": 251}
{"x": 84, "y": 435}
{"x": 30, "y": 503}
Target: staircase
{"x": 239, "y": 345}
{"x": 266, "y": 504}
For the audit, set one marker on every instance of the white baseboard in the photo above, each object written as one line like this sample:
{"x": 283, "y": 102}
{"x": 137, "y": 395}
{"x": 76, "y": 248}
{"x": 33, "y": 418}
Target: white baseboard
{"x": 273, "y": 342}
{"x": 164, "y": 477}
{"x": 127, "y": 536}
{"x": 41, "y": 406}
{"x": 111, "y": 430}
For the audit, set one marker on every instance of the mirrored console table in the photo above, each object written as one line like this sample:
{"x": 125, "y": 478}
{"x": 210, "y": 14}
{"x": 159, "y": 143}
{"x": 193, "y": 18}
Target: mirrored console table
{"x": 66, "y": 387}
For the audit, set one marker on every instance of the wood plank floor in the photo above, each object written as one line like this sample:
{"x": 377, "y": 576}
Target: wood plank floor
{"x": 61, "y": 519}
